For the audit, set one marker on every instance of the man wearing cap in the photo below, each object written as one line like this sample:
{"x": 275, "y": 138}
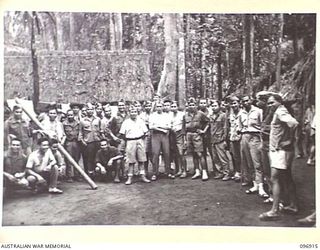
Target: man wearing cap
{"x": 70, "y": 142}
{"x": 76, "y": 110}
{"x": 196, "y": 124}
{"x": 106, "y": 122}
{"x": 89, "y": 137}
{"x": 17, "y": 127}
{"x": 98, "y": 109}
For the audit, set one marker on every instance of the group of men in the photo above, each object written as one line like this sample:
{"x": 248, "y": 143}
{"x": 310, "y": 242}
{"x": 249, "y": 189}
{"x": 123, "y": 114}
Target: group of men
{"x": 251, "y": 142}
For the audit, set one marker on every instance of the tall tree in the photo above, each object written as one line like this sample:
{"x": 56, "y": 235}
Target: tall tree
{"x": 279, "y": 55}
{"x": 172, "y": 76}
{"x": 115, "y": 31}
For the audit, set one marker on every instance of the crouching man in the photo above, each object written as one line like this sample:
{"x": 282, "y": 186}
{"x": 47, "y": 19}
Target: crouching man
{"x": 42, "y": 168}
{"x": 134, "y": 130}
{"x": 14, "y": 164}
{"x": 107, "y": 160}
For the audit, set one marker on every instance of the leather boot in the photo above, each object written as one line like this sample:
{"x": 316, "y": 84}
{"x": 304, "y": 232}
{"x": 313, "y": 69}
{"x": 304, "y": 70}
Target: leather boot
{"x": 144, "y": 179}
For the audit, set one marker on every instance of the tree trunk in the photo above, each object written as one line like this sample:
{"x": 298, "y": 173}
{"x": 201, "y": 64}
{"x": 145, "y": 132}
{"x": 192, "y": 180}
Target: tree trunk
{"x": 172, "y": 80}
{"x": 251, "y": 47}
{"x": 181, "y": 88}
{"x": 115, "y": 31}
{"x": 59, "y": 25}
{"x": 203, "y": 87}
{"x": 244, "y": 48}
{"x": 144, "y": 31}
{"x": 72, "y": 33}
{"x": 219, "y": 72}
{"x": 34, "y": 59}
{"x": 188, "y": 54}
{"x": 278, "y": 72}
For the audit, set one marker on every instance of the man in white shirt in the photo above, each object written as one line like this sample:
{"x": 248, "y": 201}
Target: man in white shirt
{"x": 177, "y": 140}
{"x": 160, "y": 124}
{"x": 133, "y": 130}
{"x": 42, "y": 167}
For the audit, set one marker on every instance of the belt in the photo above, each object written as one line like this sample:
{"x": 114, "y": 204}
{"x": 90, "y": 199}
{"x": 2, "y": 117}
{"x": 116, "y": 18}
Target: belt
{"x": 132, "y": 139}
{"x": 73, "y": 140}
{"x": 192, "y": 130}
{"x": 158, "y": 132}
{"x": 250, "y": 133}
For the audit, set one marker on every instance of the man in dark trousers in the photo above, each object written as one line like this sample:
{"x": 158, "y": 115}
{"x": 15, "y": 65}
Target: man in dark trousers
{"x": 89, "y": 136}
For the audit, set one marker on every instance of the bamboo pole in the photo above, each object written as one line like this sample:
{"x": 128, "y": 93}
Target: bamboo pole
{"x": 61, "y": 149}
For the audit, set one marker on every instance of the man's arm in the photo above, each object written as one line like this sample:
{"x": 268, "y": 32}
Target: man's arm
{"x": 110, "y": 162}
{"x": 284, "y": 116}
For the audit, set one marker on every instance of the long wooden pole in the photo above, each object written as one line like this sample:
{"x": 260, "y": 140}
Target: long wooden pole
{"x": 61, "y": 149}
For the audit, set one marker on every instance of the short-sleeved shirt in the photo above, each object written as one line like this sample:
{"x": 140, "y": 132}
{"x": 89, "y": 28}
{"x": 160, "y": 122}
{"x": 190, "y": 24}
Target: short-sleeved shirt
{"x": 38, "y": 161}
{"x": 89, "y": 129}
{"x": 55, "y": 127}
{"x": 14, "y": 163}
{"x": 195, "y": 121}
{"x": 71, "y": 130}
{"x": 104, "y": 155}
{"x": 133, "y": 129}
{"x": 281, "y": 134}
{"x": 19, "y": 128}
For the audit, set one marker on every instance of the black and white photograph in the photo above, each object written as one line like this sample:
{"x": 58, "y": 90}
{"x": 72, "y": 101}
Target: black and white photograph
{"x": 172, "y": 119}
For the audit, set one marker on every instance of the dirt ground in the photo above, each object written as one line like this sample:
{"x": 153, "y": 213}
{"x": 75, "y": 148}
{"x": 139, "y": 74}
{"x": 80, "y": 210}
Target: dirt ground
{"x": 164, "y": 202}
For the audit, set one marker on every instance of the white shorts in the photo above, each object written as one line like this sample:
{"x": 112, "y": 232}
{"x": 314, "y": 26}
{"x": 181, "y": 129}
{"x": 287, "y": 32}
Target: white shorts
{"x": 281, "y": 159}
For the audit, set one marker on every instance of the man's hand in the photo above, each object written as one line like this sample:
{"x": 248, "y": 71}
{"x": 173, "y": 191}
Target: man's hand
{"x": 41, "y": 180}
{"x": 109, "y": 164}
{"x": 200, "y": 131}
{"x": 83, "y": 142}
{"x": 19, "y": 175}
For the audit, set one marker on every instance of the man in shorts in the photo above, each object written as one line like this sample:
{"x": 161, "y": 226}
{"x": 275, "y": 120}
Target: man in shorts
{"x": 281, "y": 157}
{"x": 42, "y": 167}
{"x": 133, "y": 131}
{"x": 196, "y": 124}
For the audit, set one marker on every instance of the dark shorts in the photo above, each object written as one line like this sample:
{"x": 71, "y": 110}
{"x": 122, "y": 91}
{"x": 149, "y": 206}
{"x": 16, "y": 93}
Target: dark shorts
{"x": 176, "y": 143}
{"x": 194, "y": 142}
